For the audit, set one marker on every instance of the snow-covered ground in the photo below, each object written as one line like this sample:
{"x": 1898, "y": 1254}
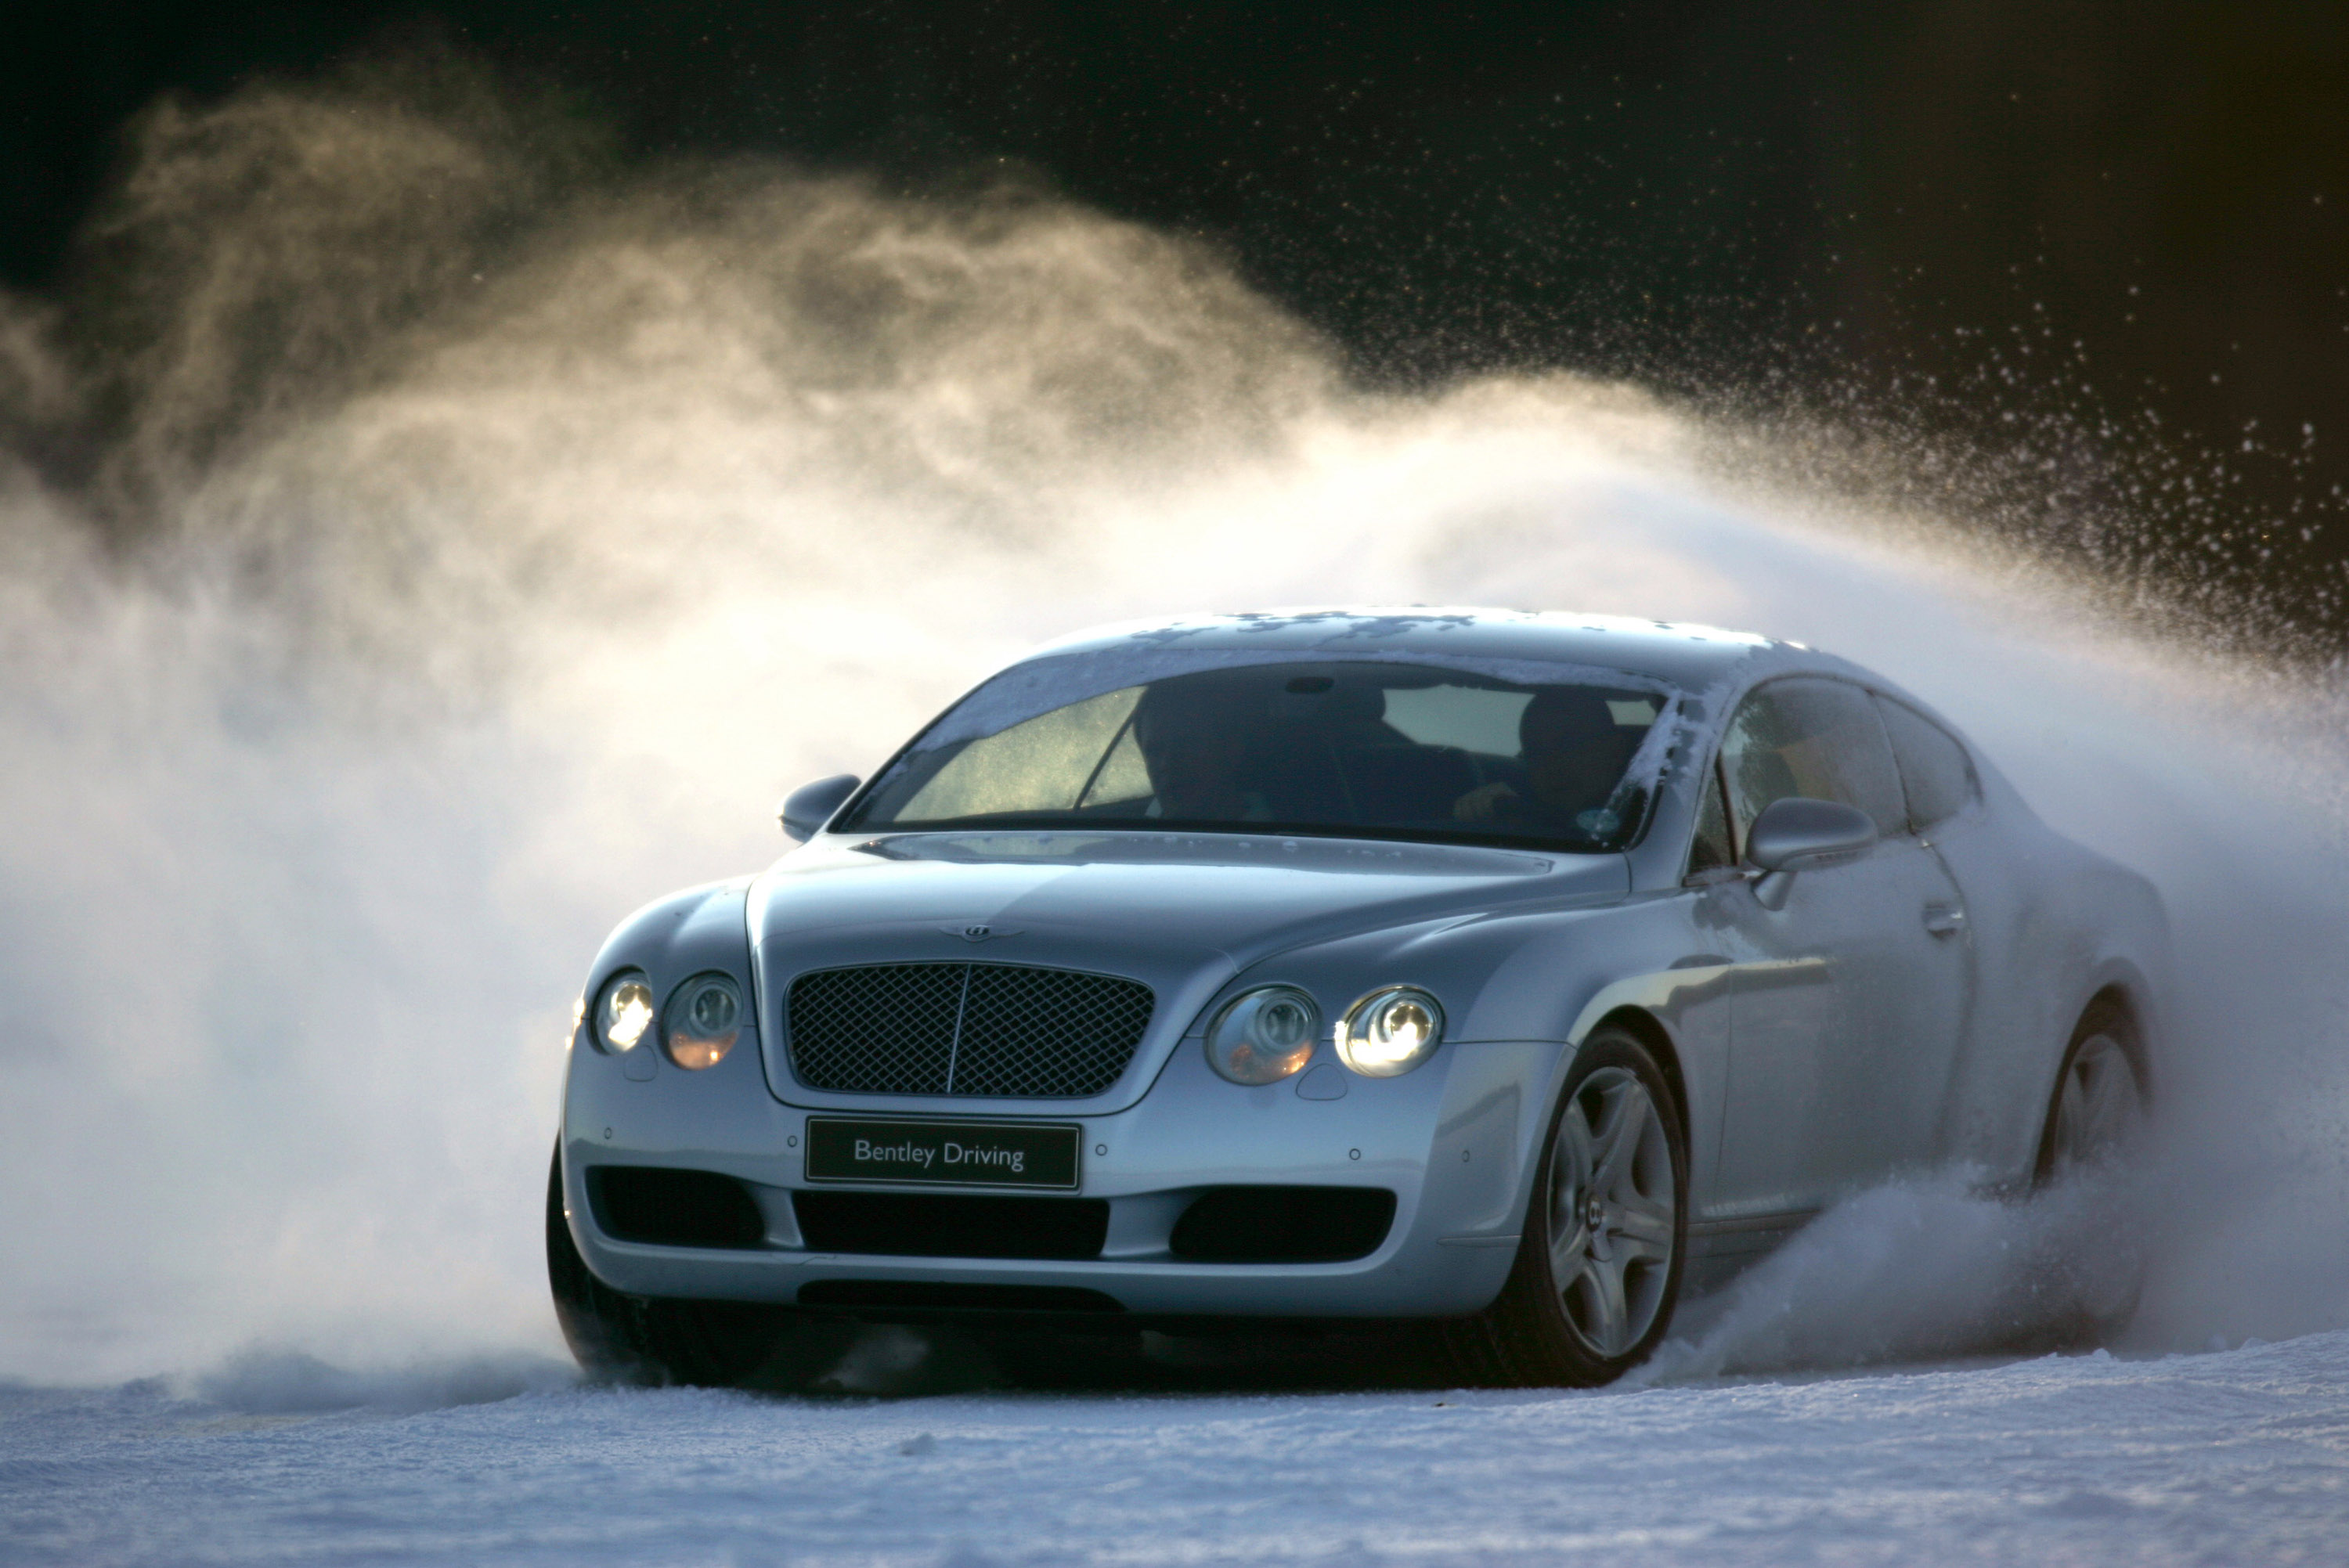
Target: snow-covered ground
{"x": 2227, "y": 1458}
{"x": 502, "y": 608}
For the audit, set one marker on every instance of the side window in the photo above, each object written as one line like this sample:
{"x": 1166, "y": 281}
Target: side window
{"x": 1934, "y": 767}
{"x": 1710, "y": 850}
{"x": 1814, "y": 737}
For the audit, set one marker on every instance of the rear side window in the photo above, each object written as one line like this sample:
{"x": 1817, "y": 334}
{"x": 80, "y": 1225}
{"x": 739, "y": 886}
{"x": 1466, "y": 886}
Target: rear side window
{"x": 1934, "y": 767}
{"x": 1816, "y": 738}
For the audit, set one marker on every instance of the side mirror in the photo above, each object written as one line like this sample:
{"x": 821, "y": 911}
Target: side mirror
{"x": 807, "y": 809}
{"x": 1797, "y": 834}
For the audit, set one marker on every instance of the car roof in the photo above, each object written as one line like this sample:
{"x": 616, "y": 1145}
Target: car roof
{"x": 1681, "y": 654}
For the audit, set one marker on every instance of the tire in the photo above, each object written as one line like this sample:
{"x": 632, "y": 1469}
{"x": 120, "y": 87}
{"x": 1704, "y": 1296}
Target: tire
{"x": 2096, "y": 1119}
{"x": 1598, "y": 1268}
{"x": 647, "y": 1339}
{"x": 2097, "y": 1109}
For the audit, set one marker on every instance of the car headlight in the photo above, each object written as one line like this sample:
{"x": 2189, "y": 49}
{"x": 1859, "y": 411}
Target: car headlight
{"x": 1263, "y": 1036}
{"x": 705, "y": 1019}
{"x": 624, "y": 1012}
{"x": 1391, "y": 1031}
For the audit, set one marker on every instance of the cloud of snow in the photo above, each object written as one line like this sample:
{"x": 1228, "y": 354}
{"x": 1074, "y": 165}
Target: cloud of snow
{"x": 289, "y": 1383}
{"x": 1917, "y": 1270}
{"x": 423, "y": 538}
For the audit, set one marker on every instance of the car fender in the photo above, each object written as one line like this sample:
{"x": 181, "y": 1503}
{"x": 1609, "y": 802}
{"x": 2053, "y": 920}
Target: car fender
{"x": 1681, "y": 1009}
{"x": 671, "y": 939}
{"x": 685, "y": 934}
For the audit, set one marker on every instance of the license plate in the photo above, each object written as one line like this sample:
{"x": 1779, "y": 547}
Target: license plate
{"x": 943, "y": 1153}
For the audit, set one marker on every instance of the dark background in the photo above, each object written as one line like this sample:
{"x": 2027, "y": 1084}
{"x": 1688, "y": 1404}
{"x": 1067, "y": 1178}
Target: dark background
{"x": 2096, "y": 245}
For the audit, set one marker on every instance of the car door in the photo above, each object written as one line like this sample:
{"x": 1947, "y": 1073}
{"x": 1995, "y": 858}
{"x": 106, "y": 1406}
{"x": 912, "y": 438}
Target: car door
{"x": 1847, "y": 1000}
{"x": 1946, "y": 813}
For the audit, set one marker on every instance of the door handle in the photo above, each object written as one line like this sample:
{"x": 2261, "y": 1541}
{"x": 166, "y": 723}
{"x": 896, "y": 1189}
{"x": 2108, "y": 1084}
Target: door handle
{"x": 1944, "y": 919}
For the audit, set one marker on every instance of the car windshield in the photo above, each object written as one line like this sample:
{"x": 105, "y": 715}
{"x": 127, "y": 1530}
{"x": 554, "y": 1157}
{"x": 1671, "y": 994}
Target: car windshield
{"x": 1360, "y": 748}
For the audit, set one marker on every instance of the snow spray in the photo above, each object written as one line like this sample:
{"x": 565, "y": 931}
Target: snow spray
{"x": 424, "y": 536}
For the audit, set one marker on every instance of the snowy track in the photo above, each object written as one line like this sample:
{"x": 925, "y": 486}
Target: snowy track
{"x": 512, "y": 600}
{"x": 2239, "y": 1457}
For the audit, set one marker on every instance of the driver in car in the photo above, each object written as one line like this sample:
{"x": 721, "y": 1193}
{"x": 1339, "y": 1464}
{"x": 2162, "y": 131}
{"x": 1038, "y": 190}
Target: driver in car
{"x": 1196, "y": 748}
{"x": 1574, "y": 753}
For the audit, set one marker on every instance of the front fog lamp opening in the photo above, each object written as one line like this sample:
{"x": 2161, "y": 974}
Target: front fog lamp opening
{"x": 624, "y": 1012}
{"x": 705, "y": 1019}
{"x": 1391, "y": 1032}
{"x": 1263, "y": 1036}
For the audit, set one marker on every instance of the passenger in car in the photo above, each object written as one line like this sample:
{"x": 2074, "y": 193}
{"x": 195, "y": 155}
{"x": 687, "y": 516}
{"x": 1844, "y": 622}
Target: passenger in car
{"x": 1574, "y": 753}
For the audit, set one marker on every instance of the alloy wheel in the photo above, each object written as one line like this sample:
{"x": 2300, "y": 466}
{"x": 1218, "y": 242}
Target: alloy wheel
{"x": 1611, "y": 1212}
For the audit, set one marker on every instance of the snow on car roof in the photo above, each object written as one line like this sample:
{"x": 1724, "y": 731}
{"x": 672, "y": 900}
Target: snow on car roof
{"x": 1529, "y": 646}
{"x": 1680, "y": 654}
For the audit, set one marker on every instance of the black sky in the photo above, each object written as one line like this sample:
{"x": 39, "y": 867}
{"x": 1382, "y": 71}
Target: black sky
{"x": 2129, "y": 214}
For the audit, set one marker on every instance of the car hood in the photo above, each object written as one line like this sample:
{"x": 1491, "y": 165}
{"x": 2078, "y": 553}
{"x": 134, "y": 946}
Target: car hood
{"x": 1182, "y": 913}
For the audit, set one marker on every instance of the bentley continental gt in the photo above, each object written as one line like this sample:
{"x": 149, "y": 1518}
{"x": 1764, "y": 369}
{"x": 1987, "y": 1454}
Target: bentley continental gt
{"x": 1510, "y": 975}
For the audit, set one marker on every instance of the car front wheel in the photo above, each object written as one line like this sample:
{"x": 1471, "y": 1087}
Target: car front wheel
{"x": 1598, "y": 1271}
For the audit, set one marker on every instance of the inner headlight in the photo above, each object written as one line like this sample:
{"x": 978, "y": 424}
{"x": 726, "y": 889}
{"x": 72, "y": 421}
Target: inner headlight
{"x": 1263, "y": 1036}
{"x": 705, "y": 1019}
{"x": 1390, "y": 1032}
{"x": 625, "y": 1011}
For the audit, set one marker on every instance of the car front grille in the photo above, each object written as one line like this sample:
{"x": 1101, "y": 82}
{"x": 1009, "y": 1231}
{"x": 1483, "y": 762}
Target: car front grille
{"x": 997, "y": 1030}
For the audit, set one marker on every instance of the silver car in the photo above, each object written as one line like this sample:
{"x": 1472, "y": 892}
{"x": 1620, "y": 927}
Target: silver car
{"x": 1516, "y": 974}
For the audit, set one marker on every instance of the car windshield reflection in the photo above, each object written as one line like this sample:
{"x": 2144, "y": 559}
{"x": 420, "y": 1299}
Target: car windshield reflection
{"x": 1374, "y": 750}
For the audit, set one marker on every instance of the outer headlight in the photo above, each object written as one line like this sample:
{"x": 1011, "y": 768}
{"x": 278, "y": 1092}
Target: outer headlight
{"x": 1263, "y": 1036}
{"x": 705, "y": 1019}
{"x": 1391, "y": 1031}
{"x": 624, "y": 1011}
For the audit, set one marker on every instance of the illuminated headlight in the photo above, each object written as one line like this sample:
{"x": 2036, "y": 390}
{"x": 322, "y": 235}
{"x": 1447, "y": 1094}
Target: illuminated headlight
{"x": 624, "y": 1012}
{"x": 1390, "y": 1032}
{"x": 705, "y": 1019}
{"x": 1263, "y": 1036}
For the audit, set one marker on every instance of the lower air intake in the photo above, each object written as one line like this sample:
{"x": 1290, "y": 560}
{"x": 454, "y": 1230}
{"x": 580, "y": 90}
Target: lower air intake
{"x": 916, "y": 1295}
{"x": 1284, "y": 1224}
{"x": 938, "y": 1226}
{"x": 673, "y": 1207}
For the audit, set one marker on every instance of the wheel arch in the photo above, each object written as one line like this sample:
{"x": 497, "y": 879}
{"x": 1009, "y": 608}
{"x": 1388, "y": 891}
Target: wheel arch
{"x": 1675, "y": 1014}
{"x": 1653, "y": 1034}
{"x": 1650, "y": 1032}
{"x": 2111, "y": 1009}
{"x": 2120, "y": 999}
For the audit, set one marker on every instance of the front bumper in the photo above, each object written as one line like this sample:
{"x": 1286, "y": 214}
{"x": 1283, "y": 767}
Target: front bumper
{"x": 1452, "y": 1141}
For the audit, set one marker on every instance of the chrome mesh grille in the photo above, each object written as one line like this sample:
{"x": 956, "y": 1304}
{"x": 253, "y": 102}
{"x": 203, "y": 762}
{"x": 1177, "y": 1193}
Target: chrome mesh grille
{"x": 998, "y": 1030}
